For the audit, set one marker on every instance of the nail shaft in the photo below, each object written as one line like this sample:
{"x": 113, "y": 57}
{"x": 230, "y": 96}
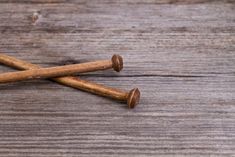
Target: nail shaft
{"x": 55, "y": 71}
{"x": 131, "y": 97}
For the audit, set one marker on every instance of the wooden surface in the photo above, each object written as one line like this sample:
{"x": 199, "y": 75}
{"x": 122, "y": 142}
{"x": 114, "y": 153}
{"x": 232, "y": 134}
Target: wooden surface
{"x": 181, "y": 54}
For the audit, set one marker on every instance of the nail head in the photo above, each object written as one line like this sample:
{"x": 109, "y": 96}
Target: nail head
{"x": 133, "y": 98}
{"x": 117, "y": 63}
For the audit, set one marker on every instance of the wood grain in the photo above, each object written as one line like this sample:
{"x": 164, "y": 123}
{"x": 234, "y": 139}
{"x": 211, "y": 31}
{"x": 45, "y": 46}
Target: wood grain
{"x": 179, "y": 53}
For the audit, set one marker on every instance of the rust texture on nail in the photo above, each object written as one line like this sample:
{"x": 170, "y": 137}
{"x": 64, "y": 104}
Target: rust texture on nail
{"x": 132, "y": 97}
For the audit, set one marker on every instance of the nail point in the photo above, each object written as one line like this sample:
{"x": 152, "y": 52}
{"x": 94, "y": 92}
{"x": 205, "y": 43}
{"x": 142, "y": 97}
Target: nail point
{"x": 133, "y": 98}
{"x": 117, "y": 63}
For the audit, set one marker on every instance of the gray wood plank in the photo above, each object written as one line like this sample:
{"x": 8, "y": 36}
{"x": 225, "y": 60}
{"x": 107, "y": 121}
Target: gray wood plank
{"x": 179, "y": 53}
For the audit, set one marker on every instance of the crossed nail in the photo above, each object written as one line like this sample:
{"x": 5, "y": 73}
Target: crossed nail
{"x": 61, "y": 74}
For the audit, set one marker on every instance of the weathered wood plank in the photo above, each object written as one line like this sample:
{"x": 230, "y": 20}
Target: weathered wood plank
{"x": 179, "y": 53}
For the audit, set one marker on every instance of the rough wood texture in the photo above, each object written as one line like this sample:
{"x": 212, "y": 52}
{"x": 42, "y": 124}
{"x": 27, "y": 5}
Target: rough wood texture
{"x": 180, "y": 53}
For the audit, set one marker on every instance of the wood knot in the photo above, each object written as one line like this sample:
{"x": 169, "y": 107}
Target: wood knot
{"x": 35, "y": 17}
